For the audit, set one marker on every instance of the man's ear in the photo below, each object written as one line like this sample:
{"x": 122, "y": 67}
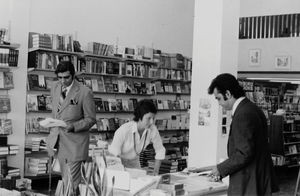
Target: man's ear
{"x": 228, "y": 94}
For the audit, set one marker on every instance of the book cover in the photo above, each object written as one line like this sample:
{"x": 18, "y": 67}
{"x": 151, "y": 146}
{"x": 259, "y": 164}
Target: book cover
{"x": 32, "y": 103}
{"x": 8, "y": 80}
{"x": 41, "y": 99}
{"x": 98, "y": 104}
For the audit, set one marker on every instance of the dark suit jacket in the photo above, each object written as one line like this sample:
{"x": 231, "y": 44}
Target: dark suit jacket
{"x": 249, "y": 164}
{"x": 78, "y": 108}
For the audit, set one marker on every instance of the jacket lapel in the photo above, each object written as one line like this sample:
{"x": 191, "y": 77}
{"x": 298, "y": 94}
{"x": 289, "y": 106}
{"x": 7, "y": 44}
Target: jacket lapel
{"x": 73, "y": 90}
{"x": 243, "y": 102}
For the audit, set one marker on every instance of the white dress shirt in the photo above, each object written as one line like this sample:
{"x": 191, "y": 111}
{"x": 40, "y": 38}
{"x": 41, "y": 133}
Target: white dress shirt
{"x": 123, "y": 143}
{"x": 236, "y": 103}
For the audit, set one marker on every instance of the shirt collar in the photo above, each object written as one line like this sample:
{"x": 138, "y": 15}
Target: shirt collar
{"x": 134, "y": 127}
{"x": 235, "y": 105}
{"x": 135, "y": 130}
{"x": 69, "y": 87}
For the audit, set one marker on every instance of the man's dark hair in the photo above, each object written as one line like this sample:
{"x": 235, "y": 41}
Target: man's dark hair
{"x": 143, "y": 107}
{"x": 224, "y": 82}
{"x": 64, "y": 66}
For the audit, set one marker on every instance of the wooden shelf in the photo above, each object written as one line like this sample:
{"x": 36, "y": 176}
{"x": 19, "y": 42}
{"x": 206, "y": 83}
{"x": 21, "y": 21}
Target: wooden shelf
{"x": 42, "y": 176}
{"x": 125, "y": 94}
{"x": 291, "y": 132}
{"x": 291, "y": 143}
{"x": 172, "y": 80}
{"x": 12, "y": 46}
{"x": 40, "y": 111}
{"x": 172, "y": 93}
{"x": 56, "y": 51}
{"x": 161, "y": 131}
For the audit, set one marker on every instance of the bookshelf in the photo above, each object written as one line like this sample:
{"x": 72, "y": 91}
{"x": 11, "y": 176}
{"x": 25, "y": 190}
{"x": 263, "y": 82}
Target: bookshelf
{"x": 9, "y": 54}
{"x": 118, "y": 82}
{"x": 284, "y": 129}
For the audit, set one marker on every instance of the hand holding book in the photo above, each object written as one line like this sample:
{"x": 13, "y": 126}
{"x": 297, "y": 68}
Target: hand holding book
{"x": 51, "y": 122}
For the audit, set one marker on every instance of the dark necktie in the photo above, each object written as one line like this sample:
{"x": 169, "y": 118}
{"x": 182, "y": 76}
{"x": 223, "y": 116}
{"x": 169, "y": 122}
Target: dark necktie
{"x": 62, "y": 98}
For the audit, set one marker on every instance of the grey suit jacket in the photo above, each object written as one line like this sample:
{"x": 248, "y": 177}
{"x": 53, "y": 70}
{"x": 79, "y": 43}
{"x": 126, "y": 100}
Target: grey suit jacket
{"x": 78, "y": 109}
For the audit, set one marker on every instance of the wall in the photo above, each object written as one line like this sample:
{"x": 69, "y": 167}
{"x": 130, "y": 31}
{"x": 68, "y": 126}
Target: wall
{"x": 270, "y": 47}
{"x": 165, "y": 25}
{"x": 14, "y": 15}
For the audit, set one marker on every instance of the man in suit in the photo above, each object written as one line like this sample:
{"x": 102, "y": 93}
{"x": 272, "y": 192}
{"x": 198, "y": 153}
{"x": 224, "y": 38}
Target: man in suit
{"x": 73, "y": 103}
{"x": 249, "y": 164}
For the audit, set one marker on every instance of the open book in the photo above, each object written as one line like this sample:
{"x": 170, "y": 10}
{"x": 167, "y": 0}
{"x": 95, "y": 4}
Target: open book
{"x": 51, "y": 122}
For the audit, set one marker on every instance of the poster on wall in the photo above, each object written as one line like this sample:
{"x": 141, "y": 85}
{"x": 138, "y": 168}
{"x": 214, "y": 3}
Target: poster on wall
{"x": 282, "y": 62}
{"x": 254, "y": 57}
{"x": 204, "y": 112}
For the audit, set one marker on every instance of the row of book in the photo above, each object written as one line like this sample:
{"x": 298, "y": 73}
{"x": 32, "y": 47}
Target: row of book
{"x": 67, "y": 43}
{"x": 106, "y": 84}
{"x": 49, "y": 61}
{"x": 7, "y": 172}
{"x": 51, "y": 41}
{"x": 35, "y": 144}
{"x": 103, "y": 66}
{"x": 39, "y": 82}
{"x": 179, "y": 121}
{"x": 32, "y": 125}
{"x": 5, "y": 126}
{"x": 174, "y": 139}
{"x": 114, "y": 85}
{"x": 9, "y": 57}
{"x": 109, "y": 124}
{"x": 171, "y": 87}
{"x": 9, "y": 150}
{"x": 38, "y": 102}
{"x": 172, "y": 74}
{"x": 3, "y": 35}
{"x": 43, "y": 102}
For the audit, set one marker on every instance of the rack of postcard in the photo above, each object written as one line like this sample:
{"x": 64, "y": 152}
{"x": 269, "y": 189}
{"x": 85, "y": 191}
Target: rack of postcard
{"x": 106, "y": 176}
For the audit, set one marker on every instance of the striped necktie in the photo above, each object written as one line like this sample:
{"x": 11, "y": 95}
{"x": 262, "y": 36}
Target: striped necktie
{"x": 61, "y": 98}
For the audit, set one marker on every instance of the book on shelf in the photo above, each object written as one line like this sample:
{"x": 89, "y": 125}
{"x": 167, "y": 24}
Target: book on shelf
{"x": 32, "y": 103}
{"x": 5, "y": 126}
{"x": 125, "y": 105}
{"x": 41, "y": 100}
{"x": 112, "y": 104}
{"x": 129, "y": 67}
{"x": 99, "y": 104}
{"x": 5, "y": 104}
{"x": 8, "y": 80}
{"x": 101, "y": 85}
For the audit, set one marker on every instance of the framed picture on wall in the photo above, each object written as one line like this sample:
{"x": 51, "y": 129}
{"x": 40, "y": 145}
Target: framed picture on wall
{"x": 282, "y": 62}
{"x": 254, "y": 57}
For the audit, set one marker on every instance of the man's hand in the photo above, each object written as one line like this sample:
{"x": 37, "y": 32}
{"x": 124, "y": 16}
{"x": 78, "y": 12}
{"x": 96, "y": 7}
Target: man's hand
{"x": 215, "y": 174}
{"x": 70, "y": 128}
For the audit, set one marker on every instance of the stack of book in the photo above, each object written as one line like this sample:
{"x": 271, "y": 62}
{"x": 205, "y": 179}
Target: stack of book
{"x": 35, "y": 166}
{"x": 12, "y": 172}
{"x": 41, "y": 41}
{"x": 8, "y": 57}
{"x": 4, "y": 150}
{"x": 147, "y": 155}
{"x": 13, "y": 149}
{"x": 174, "y": 189}
{"x": 168, "y": 166}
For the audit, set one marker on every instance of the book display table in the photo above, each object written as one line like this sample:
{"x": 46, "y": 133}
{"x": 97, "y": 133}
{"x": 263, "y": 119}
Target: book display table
{"x": 195, "y": 185}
